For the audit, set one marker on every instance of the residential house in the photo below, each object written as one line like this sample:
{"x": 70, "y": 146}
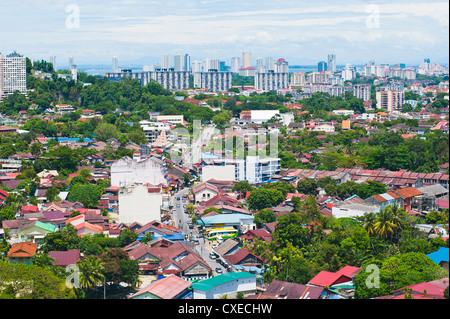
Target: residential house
{"x": 424, "y": 290}
{"x": 158, "y": 229}
{"x": 244, "y": 260}
{"x": 229, "y": 284}
{"x": 440, "y": 257}
{"x": 178, "y": 259}
{"x": 228, "y": 247}
{"x": 170, "y": 287}
{"x": 65, "y": 258}
{"x": 22, "y": 253}
{"x": 35, "y": 231}
{"x": 342, "y": 278}
{"x": 289, "y": 290}
{"x": 407, "y": 195}
{"x": 262, "y": 234}
{"x": 204, "y": 192}
{"x": 384, "y": 200}
{"x": 88, "y": 228}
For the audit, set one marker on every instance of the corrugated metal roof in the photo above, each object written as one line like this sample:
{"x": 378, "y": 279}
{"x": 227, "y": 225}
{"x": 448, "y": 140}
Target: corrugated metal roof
{"x": 208, "y": 284}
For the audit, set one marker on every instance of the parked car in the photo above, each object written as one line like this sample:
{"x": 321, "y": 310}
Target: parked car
{"x": 212, "y": 256}
{"x": 219, "y": 270}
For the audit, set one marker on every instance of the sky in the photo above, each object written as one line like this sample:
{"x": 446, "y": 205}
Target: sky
{"x": 302, "y": 32}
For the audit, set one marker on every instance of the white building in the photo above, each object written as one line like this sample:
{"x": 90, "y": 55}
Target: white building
{"x": 235, "y": 64}
{"x": 262, "y": 116}
{"x": 127, "y": 171}
{"x": 348, "y": 73}
{"x": 178, "y": 62}
{"x": 362, "y": 91}
{"x": 298, "y": 79}
{"x": 138, "y": 204}
{"x": 252, "y": 169}
{"x": 344, "y": 112}
{"x": 214, "y": 81}
{"x": 12, "y": 75}
{"x": 246, "y": 59}
{"x": 353, "y": 210}
{"x": 168, "y": 78}
{"x": 228, "y": 284}
{"x": 271, "y": 81}
{"x": 196, "y": 66}
{"x": 165, "y": 62}
{"x": 173, "y": 119}
{"x": 221, "y": 173}
{"x": 332, "y": 62}
{"x": 331, "y": 89}
{"x": 115, "y": 64}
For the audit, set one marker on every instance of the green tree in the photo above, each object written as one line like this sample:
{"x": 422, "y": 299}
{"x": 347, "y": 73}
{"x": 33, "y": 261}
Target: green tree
{"x": 52, "y": 194}
{"x": 397, "y": 272}
{"x": 263, "y": 217}
{"x": 106, "y": 131}
{"x": 87, "y": 194}
{"x": 91, "y": 272}
{"x": 264, "y": 198}
{"x": 307, "y": 186}
{"x": 21, "y": 281}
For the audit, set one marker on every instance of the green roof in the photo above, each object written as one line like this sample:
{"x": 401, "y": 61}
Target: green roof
{"x": 210, "y": 283}
{"x": 45, "y": 226}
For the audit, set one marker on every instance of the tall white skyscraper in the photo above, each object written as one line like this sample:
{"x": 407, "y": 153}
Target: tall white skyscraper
{"x": 70, "y": 63}
{"x": 269, "y": 64}
{"x": 13, "y": 75}
{"x": 331, "y": 66}
{"x": 235, "y": 64}
{"x": 210, "y": 64}
{"x": 281, "y": 66}
{"x": 178, "y": 62}
{"x": 165, "y": 61}
{"x": 115, "y": 64}
{"x": 187, "y": 63}
{"x": 53, "y": 62}
{"x": 246, "y": 60}
{"x": 196, "y": 66}
{"x": 260, "y": 65}
{"x": 348, "y": 73}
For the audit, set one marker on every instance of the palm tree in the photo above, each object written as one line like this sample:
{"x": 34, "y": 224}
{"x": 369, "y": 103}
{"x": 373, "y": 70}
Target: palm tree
{"x": 369, "y": 223}
{"x": 91, "y": 272}
{"x": 384, "y": 225}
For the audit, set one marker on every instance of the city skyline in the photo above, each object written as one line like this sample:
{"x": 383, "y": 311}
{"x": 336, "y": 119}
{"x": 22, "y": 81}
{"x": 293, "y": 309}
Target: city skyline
{"x": 300, "y": 32}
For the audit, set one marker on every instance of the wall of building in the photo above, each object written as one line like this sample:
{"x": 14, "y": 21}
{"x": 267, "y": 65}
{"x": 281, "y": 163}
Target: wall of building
{"x": 221, "y": 173}
{"x": 127, "y": 171}
{"x": 139, "y": 206}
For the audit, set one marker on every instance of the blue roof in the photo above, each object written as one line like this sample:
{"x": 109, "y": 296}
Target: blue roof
{"x": 439, "y": 256}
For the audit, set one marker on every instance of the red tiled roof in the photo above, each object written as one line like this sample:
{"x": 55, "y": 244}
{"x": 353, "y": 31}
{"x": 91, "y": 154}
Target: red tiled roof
{"x": 24, "y": 249}
{"x": 408, "y": 192}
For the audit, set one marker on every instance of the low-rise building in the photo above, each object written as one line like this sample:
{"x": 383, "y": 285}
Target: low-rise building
{"x": 229, "y": 284}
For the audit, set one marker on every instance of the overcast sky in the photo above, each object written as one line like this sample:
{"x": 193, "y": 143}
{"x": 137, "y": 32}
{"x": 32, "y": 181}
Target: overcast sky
{"x": 302, "y": 32}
